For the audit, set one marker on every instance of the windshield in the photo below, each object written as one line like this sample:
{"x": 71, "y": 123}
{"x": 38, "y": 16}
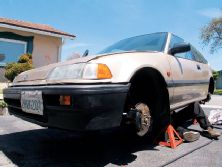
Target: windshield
{"x": 149, "y": 42}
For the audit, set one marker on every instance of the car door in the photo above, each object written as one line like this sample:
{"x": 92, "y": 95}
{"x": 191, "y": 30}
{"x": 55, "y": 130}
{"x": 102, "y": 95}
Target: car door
{"x": 203, "y": 69}
{"x": 185, "y": 76}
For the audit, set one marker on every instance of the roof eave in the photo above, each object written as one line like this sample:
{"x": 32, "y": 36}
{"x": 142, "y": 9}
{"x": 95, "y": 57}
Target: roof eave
{"x": 41, "y": 32}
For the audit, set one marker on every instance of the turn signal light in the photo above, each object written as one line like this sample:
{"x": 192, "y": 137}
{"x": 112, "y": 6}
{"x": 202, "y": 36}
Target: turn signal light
{"x": 65, "y": 100}
{"x": 103, "y": 72}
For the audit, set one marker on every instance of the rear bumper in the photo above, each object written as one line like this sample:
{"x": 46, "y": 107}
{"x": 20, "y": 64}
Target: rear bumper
{"x": 93, "y": 107}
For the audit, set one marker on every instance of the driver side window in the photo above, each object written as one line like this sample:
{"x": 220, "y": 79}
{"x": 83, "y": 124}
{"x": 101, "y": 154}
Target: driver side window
{"x": 187, "y": 55}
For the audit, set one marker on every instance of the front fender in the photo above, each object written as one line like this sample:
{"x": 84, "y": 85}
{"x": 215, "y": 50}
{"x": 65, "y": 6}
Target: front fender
{"x": 125, "y": 66}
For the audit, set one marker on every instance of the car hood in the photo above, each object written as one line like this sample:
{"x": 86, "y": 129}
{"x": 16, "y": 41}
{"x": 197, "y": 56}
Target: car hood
{"x": 39, "y": 76}
{"x": 41, "y": 73}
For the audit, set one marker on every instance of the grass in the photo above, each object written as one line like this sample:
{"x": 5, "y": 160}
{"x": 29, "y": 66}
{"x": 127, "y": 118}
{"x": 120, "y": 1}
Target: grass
{"x": 218, "y": 92}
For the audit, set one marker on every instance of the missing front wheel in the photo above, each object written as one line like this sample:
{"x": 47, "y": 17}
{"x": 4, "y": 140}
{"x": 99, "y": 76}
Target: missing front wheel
{"x": 141, "y": 118}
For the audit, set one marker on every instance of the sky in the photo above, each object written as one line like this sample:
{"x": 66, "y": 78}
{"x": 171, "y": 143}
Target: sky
{"x": 100, "y": 23}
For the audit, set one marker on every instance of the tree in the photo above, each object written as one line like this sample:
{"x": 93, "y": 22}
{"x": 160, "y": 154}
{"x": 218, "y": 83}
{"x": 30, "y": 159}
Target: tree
{"x": 13, "y": 69}
{"x": 215, "y": 75}
{"x": 211, "y": 34}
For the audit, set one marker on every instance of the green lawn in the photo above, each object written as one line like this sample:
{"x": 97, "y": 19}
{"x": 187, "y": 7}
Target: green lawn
{"x": 218, "y": 92}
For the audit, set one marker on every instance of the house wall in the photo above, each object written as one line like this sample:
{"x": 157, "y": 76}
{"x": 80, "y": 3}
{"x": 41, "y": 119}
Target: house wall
{"x": 219, "y": 81}
{"x": 46, "y": 49}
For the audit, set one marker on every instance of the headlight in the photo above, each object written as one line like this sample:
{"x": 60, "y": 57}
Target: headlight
{"x": 80, "y": 71}
{"x": 73, "y": 71}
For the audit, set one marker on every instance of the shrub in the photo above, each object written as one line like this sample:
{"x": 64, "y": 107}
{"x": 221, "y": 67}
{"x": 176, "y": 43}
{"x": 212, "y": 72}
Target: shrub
{"x": 13, "y": 69}
{"x": 215, "y": 75}
{"x": 23, "y": 58}
{"x": 218, "y": 92}
{"x": 2, "y": 104}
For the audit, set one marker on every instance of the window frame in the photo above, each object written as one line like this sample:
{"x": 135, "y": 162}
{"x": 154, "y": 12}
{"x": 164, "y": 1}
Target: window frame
{"x": 14, "y": 42}
{"x": 197, "y": 55}
{"x": 182, "y": 40}
{"x": 193, "y": 49}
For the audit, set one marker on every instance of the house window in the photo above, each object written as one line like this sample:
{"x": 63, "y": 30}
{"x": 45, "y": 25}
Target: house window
{"x": 11, "y": 50}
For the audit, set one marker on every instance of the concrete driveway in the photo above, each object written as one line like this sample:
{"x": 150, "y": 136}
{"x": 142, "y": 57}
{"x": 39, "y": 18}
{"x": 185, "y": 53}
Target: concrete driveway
{"x": 26, "y": 144}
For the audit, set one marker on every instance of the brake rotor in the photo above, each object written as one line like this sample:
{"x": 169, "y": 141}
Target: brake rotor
{"x": 143, "y": 119}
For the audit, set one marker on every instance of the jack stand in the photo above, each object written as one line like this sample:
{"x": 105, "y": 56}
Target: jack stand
{"x": 173, "y": 138}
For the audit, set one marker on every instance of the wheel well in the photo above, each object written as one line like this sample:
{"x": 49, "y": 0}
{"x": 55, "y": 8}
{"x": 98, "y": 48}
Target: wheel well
{"x": 155, "y": 74}
{"x": 148, "y": 86}
{"x": 148, "y": 83}
{"x": 211, "y": 86}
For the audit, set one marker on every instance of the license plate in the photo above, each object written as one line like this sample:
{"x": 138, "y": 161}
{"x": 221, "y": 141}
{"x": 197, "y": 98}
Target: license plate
{"x": 31, "y": 102}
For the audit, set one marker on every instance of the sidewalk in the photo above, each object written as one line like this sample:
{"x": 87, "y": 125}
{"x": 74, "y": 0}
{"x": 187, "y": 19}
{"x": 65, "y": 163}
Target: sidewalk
{"x": 216, "y": 100}
{"x": 4, "y": 161}
{"x": 214, "y": 104}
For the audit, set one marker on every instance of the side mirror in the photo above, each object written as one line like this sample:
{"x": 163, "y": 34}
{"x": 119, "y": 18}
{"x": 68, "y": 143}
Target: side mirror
{"x": 180, "y": 48}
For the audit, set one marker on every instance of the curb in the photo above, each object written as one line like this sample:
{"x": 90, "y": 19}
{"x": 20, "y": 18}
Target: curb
{"x": 4, "y": 112}
{"x": 211, "y": 106}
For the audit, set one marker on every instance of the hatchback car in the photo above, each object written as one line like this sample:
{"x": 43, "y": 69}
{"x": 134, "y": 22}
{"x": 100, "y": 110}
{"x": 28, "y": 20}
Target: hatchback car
{"x": 135, "y": 81}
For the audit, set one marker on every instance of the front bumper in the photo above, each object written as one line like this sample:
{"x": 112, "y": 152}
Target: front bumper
{"x": 93, "y": 107}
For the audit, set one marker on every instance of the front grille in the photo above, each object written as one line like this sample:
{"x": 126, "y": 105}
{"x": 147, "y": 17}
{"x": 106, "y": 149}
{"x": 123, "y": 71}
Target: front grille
{"x": 54, "y": 101}
{"x": 13, "y": 102}
{"x": 50, "y": 102}
{"x": 19, "y": 112}
{"x": 14, "y": 107}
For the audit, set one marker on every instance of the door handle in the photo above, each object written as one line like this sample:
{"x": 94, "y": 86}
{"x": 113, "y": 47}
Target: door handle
{"x": 198, "y": 67}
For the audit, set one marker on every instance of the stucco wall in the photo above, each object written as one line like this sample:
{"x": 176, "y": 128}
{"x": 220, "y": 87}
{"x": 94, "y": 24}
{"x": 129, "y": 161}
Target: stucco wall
{"x": 46, "y": 49}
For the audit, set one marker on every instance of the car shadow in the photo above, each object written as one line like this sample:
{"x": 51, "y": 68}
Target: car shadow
{"x": 50, "y": 147}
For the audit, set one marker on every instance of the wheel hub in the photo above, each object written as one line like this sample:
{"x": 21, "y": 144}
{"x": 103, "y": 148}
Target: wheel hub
{"x": 143, "y": 119}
